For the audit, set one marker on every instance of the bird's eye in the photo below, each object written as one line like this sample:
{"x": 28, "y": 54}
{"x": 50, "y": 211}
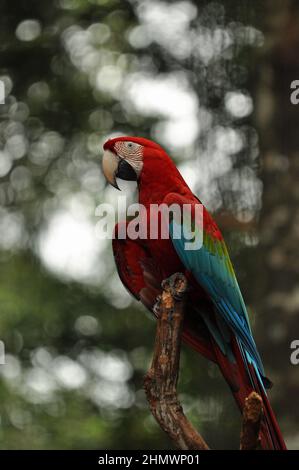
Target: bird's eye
{"x": 129, "y": 145}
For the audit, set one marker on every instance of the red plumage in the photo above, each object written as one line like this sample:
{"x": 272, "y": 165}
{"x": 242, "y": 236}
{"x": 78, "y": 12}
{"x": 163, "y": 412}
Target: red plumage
{"x": 143, "y": 264}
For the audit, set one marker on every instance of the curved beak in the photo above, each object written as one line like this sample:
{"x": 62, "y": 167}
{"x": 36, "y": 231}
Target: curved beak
{"x": 116, "y": 167}
{"x": 110, "y": 163}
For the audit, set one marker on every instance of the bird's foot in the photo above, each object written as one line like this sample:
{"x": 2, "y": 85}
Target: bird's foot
{"x": 157, "y": 305}
{"x": 176, "y": 284}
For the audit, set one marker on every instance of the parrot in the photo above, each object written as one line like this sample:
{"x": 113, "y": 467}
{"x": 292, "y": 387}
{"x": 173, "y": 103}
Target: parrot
{"x": 216, "y": 324}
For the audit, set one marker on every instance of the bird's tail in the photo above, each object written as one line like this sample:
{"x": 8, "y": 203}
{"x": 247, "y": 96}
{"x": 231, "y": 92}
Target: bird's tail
{"x": 243, "y": 378}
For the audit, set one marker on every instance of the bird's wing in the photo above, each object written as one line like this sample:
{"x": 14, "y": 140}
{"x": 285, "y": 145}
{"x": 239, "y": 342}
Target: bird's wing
{"x": 211, "y": 266}
{"x": 136, "y": 269}
{"x": 142, "y": 277}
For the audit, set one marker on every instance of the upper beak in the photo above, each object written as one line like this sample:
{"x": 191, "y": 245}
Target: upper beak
{"x": 110, "y": 163}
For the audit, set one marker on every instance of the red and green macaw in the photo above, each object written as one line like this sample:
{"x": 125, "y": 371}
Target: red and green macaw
{"x": 216, "y": 324}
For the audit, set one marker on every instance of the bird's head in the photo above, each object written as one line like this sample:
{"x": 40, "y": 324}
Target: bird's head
{"x": 124, "y": 158}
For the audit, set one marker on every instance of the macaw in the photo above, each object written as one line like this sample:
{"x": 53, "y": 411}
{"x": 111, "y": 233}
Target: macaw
{"x": 216, "y": 324}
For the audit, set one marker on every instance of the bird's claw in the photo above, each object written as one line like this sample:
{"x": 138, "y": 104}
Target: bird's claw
{"x": 157, "y": 304}
{"x": 176, "y": 284}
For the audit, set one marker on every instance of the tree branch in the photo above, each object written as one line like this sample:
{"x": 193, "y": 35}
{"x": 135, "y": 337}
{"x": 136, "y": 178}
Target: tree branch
{"x": 252, "y": 416}
{"x": 160, "y": 382}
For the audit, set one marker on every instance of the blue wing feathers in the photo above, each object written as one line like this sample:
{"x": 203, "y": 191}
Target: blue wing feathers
{"x": 211, "y": 267}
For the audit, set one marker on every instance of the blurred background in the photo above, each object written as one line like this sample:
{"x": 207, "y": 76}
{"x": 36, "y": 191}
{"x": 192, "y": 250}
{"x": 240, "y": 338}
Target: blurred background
{"x": 210, "y": 81}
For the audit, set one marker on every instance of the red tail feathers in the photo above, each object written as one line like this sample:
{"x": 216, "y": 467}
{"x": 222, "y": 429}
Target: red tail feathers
{"x": 242, "y": 380}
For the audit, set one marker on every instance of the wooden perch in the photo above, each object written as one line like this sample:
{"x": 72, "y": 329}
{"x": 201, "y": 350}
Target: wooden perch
{"x": 252, "y": 415}
{"x": 160, "y": 382}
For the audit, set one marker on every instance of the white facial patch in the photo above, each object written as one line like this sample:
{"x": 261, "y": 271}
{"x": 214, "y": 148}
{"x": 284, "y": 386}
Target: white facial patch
{"x": 132, "y": 153}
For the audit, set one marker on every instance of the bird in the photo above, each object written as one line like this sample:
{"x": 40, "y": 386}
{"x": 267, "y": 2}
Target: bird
{"x": 216, "y": 324}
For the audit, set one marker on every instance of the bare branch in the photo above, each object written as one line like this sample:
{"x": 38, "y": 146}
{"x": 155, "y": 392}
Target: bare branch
{"x": 252, "y": 415}
{"x": 161, "y": 380}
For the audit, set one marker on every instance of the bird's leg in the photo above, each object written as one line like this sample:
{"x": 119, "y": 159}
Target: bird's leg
{"x": 176, "y": 285}
{"x": 157, "y": 305}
